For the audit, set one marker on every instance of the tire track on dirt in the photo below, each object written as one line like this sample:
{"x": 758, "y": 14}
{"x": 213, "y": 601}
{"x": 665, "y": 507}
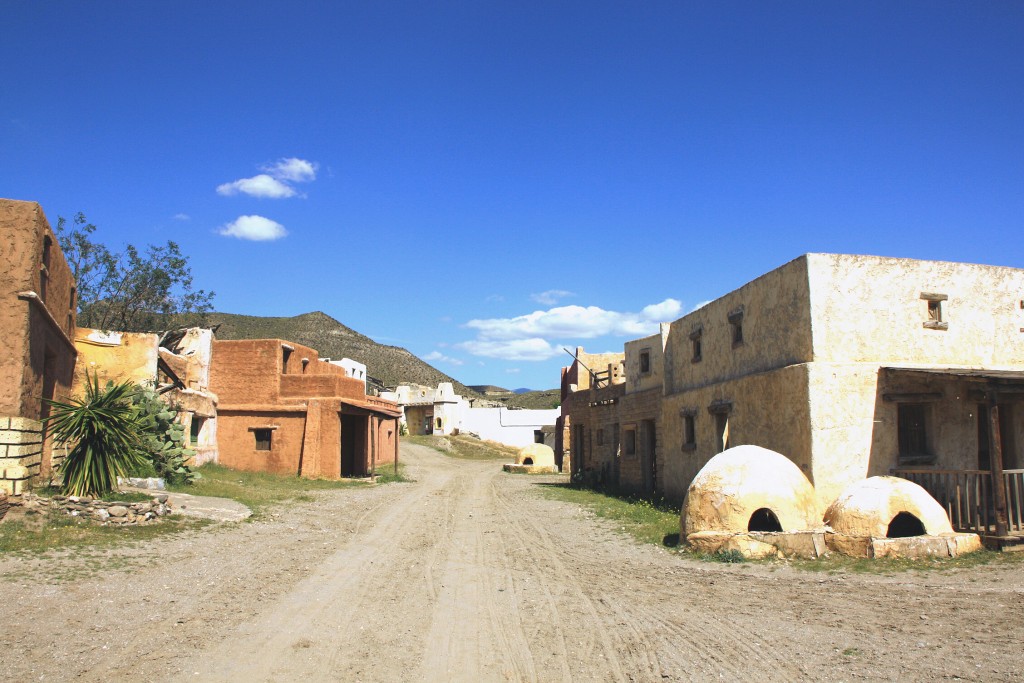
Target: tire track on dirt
{"x": 536, "y": 543}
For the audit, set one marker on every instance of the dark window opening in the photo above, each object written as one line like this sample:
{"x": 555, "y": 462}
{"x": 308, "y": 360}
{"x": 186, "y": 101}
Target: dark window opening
{"x": 645, "y": 362}
{"x": 438, "y": 423}
{"x": 689, "y": 432}
{"x": 935, "y": 311}
{"x": 600, "y": 437}
{"x": 912, "y": 432}
{"x": 905, "y": 525}
{"x": 262, "y": 438}
{"x": 194, "y": 429}
{"x": 721, "y": 431}
{"x": 764, "y": 519}
{"x": 629, "y": 442}
{"x": 538, "y": 436}
{"x": 736, "y": 323}
{"x": 527, "y": 461}
{"x": 285, "y": 355}
{"x": 696, "y": 347}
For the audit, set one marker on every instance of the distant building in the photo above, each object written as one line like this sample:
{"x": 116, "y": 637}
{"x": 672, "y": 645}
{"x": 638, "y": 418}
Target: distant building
{"x": 441, "y": 411}
{"x": 37, "y": 324}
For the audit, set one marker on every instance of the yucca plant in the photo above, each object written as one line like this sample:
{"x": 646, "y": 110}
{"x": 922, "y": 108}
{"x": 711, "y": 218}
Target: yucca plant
{"x": 103, "y": 435}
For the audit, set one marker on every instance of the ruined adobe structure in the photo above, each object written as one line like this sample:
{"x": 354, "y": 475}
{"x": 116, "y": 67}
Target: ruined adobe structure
{"x": 281, "y": 409}
{"x": 590, "y": 391}
{"x": 849, "y": 365}
{"x": 37, "y": 322}
{"x": 175, "y": 364}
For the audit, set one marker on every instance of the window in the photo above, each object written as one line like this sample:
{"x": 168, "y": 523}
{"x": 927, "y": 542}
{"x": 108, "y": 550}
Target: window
{"x": 438, "y": 423}
{"x": 689, "y": 419}
{"x": 934, "y": 314}
{"x": 695, "y": 344}
{"x": 629, "y": 441}
{"x": 645, "y": 362}
{"x": 736, "y": 326}
{"x": 195, "y": 429}
{"x": 262, "y": 438}
{"x": 912, "y": 433}
{"x": 600, "y": 437}
{"x": 286, "y": 353}
{"x": 721, "y": 409}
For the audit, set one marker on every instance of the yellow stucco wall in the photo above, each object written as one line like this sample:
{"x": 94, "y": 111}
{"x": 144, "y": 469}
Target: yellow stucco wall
{"x": 115, "y": 356}
{"x": 869, "y": 309}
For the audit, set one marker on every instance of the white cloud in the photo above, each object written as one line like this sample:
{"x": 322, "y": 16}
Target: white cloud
{"x": 182, "y": 217}
{"x": 261, "y": 185}
{"x": 551, "y": 297}
{"x": 438, "y": 356}
{"x": 256, "y": 228}
{"x": 512, "y": 371}
{"x": 275, "y": 181}
{"x": 292, "y": 170}
{"x": 577, "y": 322}
{"x": 511, "y": 349}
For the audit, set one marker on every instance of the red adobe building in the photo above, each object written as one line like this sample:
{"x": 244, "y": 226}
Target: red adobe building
{"x": 280, "y": 409}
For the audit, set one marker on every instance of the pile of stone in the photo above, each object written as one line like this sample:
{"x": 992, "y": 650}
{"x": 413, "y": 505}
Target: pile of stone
{"x": 105, "y": 511}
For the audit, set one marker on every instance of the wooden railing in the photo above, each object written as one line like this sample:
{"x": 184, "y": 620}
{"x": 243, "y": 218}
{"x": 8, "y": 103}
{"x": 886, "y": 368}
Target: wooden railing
{"x": 966, "y": 496}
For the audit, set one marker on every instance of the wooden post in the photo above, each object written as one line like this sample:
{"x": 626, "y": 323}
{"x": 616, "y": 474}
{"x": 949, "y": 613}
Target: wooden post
{"x": 996, "y": 462}
{"x": 397, "y": 435}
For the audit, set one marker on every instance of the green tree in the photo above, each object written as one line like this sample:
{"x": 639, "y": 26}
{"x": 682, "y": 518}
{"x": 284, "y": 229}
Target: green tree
{"x": 103, "y": 432}
{"x": 134, "y": 290}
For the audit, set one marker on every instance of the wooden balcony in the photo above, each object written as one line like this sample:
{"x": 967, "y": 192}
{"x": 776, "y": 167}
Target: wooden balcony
{"x": 969, "y": 500}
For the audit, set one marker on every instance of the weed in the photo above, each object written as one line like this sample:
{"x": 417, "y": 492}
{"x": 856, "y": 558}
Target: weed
{"x": 725, "y": 556}
{"x": 388, "y": 475}
{"x": 851, "y": 652}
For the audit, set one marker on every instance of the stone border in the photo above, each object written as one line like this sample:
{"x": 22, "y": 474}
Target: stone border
{"x": 119, "y": 513}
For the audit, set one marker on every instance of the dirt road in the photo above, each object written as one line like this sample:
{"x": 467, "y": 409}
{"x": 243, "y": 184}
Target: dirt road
{"x": 469, "y": 574}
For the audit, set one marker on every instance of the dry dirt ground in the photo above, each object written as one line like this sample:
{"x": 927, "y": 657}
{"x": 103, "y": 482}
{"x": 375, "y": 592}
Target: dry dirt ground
{"x": 469, "y": 574}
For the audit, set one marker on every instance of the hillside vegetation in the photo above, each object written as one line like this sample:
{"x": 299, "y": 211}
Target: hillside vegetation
{"x": 331, "y": 339}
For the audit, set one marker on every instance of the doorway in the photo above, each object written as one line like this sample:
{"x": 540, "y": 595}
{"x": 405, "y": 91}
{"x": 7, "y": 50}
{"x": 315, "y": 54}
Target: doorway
{"x": 353, "y": 446}
{"x": 1006, "y": 437}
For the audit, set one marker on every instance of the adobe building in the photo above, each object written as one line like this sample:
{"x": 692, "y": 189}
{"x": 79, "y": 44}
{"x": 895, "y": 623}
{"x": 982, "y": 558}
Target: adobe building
{"x": 281, "y": 410}
{"x": 37, "y": 322}
{"x": 851, "y": 366}
{"x": 587, "y": 431}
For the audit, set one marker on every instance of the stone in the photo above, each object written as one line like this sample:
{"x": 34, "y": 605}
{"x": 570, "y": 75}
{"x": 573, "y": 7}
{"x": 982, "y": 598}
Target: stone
{"x": 162, "y": 498}
{"x": 102, "y": 515}
{"x": 117, "y": 511}
{"x": 749, "y": 547}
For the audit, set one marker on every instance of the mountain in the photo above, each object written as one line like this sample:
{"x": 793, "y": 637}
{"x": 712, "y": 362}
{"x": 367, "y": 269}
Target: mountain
{"x": 331, "y": 339}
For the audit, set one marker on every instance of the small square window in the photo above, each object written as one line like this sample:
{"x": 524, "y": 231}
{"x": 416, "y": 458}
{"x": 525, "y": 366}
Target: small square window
{"x": 262, "y": 438}
{"x": 935, "y": 315}
{"x": 645, "y": 362}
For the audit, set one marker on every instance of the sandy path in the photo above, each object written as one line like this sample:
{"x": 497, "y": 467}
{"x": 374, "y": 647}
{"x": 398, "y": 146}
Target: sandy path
{"x": 468, "y": 574}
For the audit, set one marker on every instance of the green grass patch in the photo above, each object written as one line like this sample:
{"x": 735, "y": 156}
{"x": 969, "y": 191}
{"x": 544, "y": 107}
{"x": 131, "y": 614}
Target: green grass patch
{"x": 466, "y": 447}
{"x": 836, "y": 563}
{"x": 649, "y": 522}
{"x": 257, "y": 490}
{"x": 386, "y": 474}
{"x": 52, "y": 530}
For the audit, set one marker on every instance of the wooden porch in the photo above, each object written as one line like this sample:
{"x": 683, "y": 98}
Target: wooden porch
{"x": 971, "y": 502}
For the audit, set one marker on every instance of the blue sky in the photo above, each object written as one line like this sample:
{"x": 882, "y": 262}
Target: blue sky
{"x": 486, "y": 182}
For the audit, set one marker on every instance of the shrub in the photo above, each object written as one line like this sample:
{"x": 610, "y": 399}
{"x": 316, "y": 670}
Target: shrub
{"x": 104, "y": 434}
{"x": 163, "y": 439}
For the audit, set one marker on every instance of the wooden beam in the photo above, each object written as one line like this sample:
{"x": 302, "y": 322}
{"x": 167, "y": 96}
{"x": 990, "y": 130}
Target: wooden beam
{"x": 996, "y": 461}
{"x": 913, "y": 397}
